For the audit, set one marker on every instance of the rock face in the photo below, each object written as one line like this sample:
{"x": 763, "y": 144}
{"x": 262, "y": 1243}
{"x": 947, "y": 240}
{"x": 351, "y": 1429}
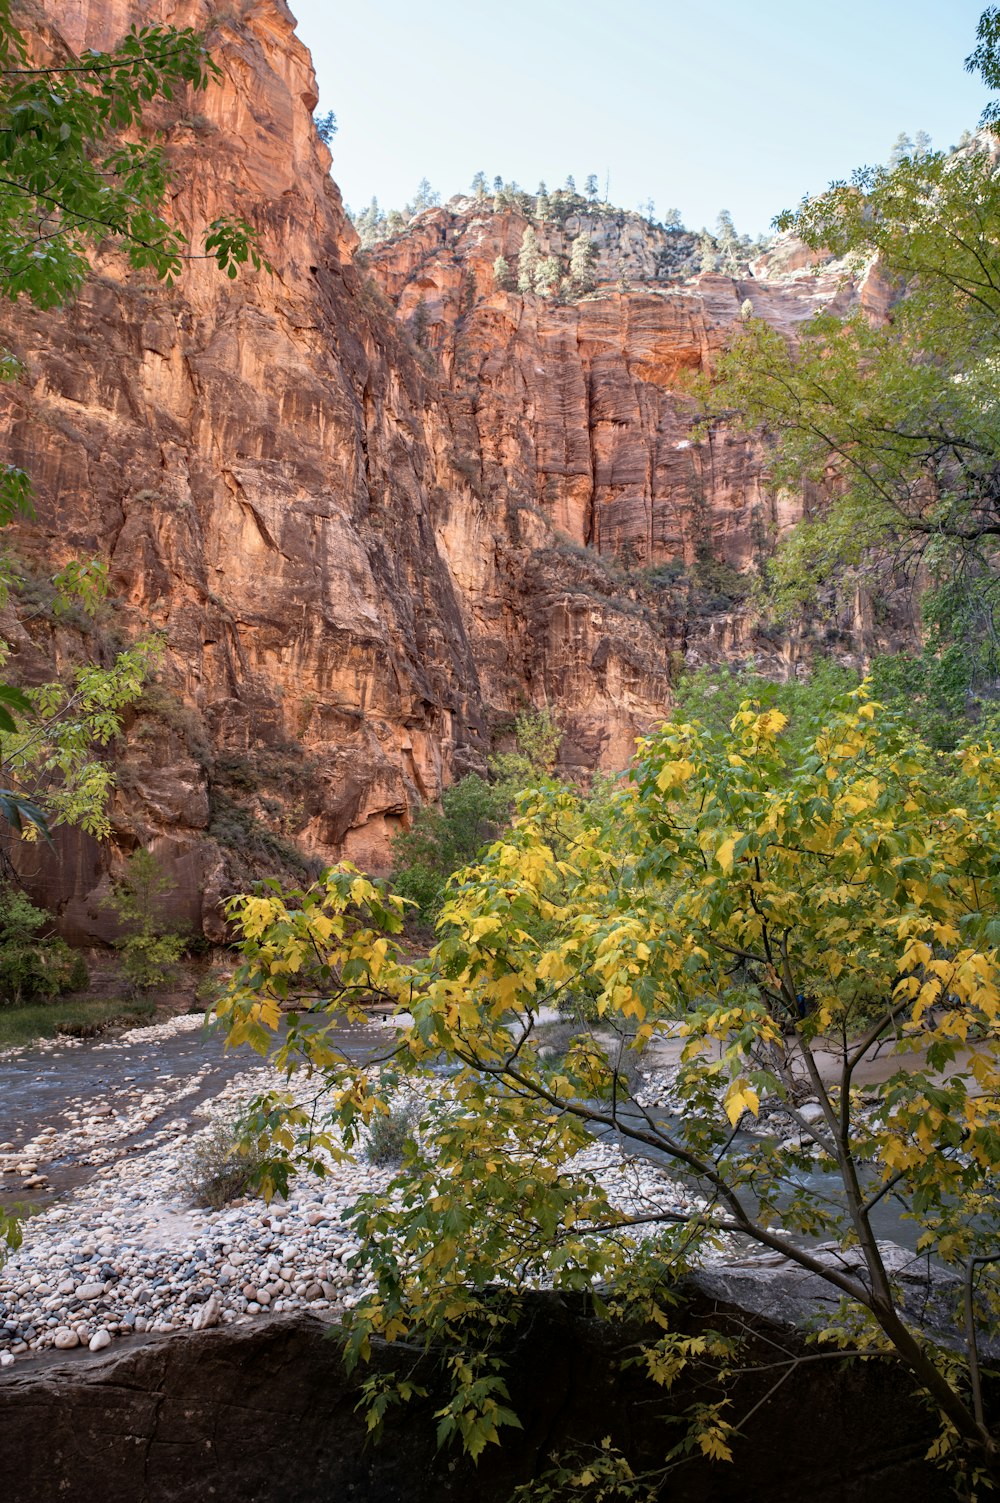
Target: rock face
{"x": 267, "y": 1413}
{"x": 363, "y": 555}
{"x": 579, "y": 410}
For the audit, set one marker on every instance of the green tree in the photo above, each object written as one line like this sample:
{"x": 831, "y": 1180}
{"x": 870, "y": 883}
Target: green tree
{"x": 786, "y": 922}
{"x": 728, "y": 244}
{"x": 528, "y": 260}
{"x": 672, "y": 220}
{"x": 570, "y": 184}
{"x": 150, "y": 948}
{"x": 326, "y": 127}
{"x": 33, "y": 966}
{"x": 503, "y": 277}
{"x": 479, "y": 186}
{"x": 583, "y": 265}
{"x": 893, "y": 420}
{"x": 71, "y": 179}
{"x": 902, "y": 150}
{"x": 424, "y": 198}
{"x": 985, "y": 60}
{"x": 708, "y": 255}
{"x": 371, "y": 224}
{"x": 590, "y": 187}
{"x": 473, "y": 811}
{"x": 548, "y": 276}
{"x": 55, "y": 758}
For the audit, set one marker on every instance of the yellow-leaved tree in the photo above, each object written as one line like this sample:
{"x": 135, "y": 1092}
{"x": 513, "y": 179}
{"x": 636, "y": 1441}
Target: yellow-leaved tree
{"x": 817, "y": 937}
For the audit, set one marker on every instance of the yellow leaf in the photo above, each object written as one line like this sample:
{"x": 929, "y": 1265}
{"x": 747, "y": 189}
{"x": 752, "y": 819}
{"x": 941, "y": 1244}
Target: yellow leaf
{"x": 724, "y": 855}
{"x": 741, "y": 1098}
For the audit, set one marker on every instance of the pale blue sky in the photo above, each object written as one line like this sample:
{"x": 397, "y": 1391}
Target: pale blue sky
{"x": 744, "y": 106}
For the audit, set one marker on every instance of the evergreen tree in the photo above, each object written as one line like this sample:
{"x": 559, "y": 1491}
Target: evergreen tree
{"x": 672, "y": 220}
{"x": 541, "y": 191}
{"x": 590, "y": 187}
{"x": 921, "y": 145}
{"x": 708, "y": 259}
{"x": 497, "y": 184}
{"x": 479, "y": 186}
{"x": 425, "y": 197}
{"x": 902, "y": 148}
{"x": 394, "y": 222}
{"x": 503, "y": 277}
{"x": 582, "y": 263}
{"x": 548, "y": 276}
{"x": 728, "y": 242}
{"x": 570, "y": 183}
{"x": 420, "y": 323}
{"x": 326, "y": 127}
{"x": 370, "y": 224}
{"x": 527, "y": 261}
{"x": 543, "y": 206}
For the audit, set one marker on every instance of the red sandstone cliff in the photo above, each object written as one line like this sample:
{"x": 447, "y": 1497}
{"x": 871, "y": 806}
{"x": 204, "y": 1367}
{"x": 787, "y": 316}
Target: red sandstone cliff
{"x": 363, "y": 555}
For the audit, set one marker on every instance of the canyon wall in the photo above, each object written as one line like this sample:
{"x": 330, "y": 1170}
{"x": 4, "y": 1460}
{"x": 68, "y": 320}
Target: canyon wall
{"x": 373, "y": 505}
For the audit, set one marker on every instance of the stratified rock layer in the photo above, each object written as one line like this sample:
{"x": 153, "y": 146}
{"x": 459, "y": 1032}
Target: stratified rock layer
{"x": 363, "y": 555}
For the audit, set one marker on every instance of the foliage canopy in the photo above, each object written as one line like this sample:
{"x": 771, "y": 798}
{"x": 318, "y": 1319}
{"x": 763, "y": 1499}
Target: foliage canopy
{"x": 778, "y": 924}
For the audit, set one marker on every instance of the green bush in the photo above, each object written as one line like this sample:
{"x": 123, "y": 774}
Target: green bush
{"x": 472, "y": 813}
{"x": 442, "y": 841}
{"x": 222, "y": 1164}
{"x": 34, "y": 967}
{"x": 389, "y": 1133}
{"x": 79, "y": 977}
{"x": 149, "y": 960}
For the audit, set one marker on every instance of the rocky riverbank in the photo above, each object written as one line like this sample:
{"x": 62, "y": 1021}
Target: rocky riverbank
{"x": 128, "y": 1252}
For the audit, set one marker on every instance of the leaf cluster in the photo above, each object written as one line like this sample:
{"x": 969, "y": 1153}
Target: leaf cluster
{"x": 783, "y": 912}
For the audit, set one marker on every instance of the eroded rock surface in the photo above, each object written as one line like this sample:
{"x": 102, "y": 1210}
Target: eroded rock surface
{"x": 266, "y": 1414}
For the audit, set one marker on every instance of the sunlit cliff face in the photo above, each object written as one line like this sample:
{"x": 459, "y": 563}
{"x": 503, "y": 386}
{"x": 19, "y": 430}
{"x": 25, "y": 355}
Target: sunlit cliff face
{"x": 363, "y": 555}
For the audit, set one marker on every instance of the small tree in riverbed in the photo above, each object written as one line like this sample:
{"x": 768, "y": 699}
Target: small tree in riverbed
{"x": 150, "y": 948}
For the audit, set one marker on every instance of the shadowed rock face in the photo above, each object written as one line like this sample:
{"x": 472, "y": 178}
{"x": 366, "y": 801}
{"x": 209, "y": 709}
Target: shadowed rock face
{"x": 363, "y": 557}
{"x": 266, "y": 1414}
